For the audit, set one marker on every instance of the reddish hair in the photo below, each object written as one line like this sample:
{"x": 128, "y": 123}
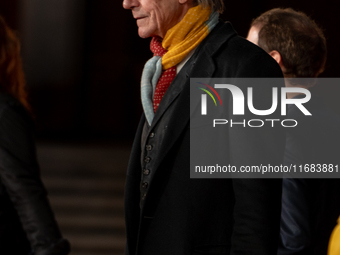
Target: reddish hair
{"x": 12, "y": 79}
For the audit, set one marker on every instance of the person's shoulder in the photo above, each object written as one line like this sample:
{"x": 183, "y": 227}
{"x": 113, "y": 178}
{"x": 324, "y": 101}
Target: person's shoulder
{"x": 241, "y": 50}
{"x": 323, "y": 122}
{"x": 12, "y": 111}
{"x": 235, "y": 44}
{"x": 232, "y": 48}
{"x": 318, "y": 108}
{"x": 7, "y": 100}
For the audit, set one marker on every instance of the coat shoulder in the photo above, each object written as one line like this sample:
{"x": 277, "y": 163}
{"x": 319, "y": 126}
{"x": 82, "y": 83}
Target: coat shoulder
{"x": 235, "y": 52}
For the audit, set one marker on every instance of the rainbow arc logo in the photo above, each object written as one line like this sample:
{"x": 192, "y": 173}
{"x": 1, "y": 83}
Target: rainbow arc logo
{"x": 209, "y": 93}
{"x": 204, "y": 97}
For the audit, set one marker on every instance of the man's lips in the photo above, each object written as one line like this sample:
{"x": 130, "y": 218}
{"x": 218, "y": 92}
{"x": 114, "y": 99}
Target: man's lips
{"x": 137, "y": 18}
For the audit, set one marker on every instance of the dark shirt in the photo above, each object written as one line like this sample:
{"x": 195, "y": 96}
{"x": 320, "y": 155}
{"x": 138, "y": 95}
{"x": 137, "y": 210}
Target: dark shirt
{"x": 310, "y": 207}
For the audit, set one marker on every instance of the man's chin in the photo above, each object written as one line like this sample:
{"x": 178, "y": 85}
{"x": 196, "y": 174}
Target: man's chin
{"x": 143, "y": 34}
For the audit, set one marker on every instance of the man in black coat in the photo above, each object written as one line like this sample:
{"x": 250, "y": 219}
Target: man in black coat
{"x": 167, "y": 212}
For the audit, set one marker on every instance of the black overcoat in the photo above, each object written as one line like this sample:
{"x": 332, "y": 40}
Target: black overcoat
{"x": 167, "y": 213}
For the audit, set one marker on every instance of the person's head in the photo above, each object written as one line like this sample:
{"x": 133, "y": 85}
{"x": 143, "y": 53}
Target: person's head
{"x": 293, "y": 40}
{"x": 12, "y": 78}
{"x": 156, "y": 17}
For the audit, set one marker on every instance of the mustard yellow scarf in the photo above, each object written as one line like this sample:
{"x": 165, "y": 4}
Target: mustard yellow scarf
{"x": 187, "y": 35}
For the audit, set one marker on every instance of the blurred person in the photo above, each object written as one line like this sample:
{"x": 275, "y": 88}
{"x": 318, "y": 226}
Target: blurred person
{"x": 310, "y": 207}
{"x": 27, "y": 223}
{"x": 166, "y": 212}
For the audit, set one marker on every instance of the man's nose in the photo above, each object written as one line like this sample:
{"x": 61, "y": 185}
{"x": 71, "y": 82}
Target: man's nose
{"x": 130, "y": 4}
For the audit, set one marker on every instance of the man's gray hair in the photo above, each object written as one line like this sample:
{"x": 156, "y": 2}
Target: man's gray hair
{"x": 216, "y": 5}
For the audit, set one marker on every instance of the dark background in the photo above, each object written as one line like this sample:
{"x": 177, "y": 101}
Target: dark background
{"x": 83, "y": 61}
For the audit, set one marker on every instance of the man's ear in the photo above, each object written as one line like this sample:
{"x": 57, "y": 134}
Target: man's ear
{"x": 277, "y": 56}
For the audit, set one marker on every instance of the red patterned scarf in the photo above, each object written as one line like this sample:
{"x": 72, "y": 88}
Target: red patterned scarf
{"x": 167, "y": 75}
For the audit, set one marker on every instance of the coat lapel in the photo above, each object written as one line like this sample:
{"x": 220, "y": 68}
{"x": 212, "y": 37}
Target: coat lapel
{"x": 201, "y": 64}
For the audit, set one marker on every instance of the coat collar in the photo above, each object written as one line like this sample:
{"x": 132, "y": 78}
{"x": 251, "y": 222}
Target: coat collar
{"x": 195, "y": 68}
